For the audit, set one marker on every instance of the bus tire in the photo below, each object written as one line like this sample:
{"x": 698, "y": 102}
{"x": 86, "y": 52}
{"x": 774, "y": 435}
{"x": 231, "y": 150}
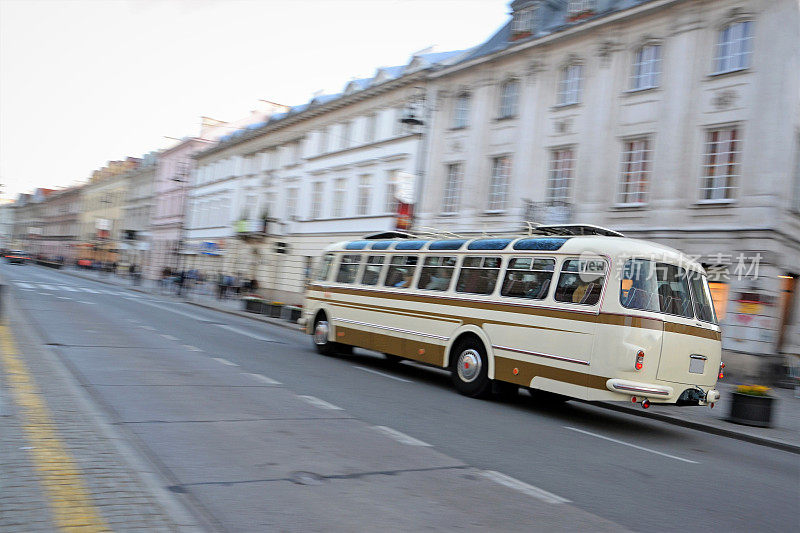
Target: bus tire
{"x": 470, "y": 368}
{"x": 320, "y": 336}
{"x": 542, "y": 397}
{"x": 392, "y": 358}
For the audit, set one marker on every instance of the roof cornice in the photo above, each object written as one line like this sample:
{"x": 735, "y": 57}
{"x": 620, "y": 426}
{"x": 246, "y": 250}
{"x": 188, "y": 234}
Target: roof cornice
{"x": 559, "y": 35}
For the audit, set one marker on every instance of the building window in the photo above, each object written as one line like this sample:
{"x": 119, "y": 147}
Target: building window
{"x": 580, "y": 7}
{"x": 734, "y": 47}
{"x": 297, "y": 153}
{"x": 339, "y": 192}
{"x": 559, "y": 184}
{"x": 291, "y": 203}
{"x": 509, "y": 94}
{"x": 364, "y": 193}
{"x": 370, "y": 128}
{"x": 323, "y": 140}
{"x": 646, "y": 67}
{"x": 452, "y": 187}
{"x": 398, "y": 127}
{"x": 569, "y": 85}
{"x": 345, "y": 140}
{"x": 720, "y": 164}
{"x": 391, "y": 191}
{"x": 461, "y": 111}
{"x": 316, "y": 200}
{"x": 522, "y": 23}
{"x": 636, "y": 166}
{"x": 498, "y": 186}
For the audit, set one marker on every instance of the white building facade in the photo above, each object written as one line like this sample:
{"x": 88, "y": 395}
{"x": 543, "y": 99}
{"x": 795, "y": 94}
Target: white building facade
{"x": 675, "y": 121}
{"x": 137, "y": 213}
{"x": 266, "y": 201}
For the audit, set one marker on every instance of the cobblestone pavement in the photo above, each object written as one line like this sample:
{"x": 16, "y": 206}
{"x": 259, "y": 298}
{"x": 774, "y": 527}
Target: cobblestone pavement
{"x": 61, "y": 469}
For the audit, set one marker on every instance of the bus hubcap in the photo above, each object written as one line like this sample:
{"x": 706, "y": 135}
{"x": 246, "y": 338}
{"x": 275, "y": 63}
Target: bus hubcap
{"x": 469, "y": 365}
{"x": 321, "y": 333}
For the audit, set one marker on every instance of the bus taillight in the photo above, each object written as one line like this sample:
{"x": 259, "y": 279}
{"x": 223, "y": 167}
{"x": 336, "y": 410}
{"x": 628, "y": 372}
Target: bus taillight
{"x": 721, "y": 371}
{"x": 639, "y": 360}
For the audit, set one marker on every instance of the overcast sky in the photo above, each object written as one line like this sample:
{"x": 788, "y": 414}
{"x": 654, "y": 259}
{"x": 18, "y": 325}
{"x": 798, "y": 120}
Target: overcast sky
{"x": 84, "y": 82}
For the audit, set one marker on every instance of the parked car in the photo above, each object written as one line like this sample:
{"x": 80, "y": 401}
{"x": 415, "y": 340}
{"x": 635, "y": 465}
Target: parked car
{"x": 17, "y": 256}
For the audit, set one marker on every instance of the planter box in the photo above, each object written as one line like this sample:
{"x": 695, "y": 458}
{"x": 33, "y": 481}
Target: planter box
{"x": 254, "y": 306}
{"x": 751, "y": 410}
{"x": 275, "y": 311}
{"x": 291, "y": 313}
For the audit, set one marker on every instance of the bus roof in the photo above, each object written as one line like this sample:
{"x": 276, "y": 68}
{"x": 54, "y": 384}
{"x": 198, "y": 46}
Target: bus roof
{"x": 593, "y": 244}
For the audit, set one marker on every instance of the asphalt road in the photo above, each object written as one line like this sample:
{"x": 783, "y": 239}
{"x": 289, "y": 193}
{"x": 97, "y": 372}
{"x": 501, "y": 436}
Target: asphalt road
{"x": 259, "y": 432}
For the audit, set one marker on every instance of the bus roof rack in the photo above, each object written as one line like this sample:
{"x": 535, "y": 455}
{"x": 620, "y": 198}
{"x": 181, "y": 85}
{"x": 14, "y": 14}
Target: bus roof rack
{"x": 390, "y": 235}
{"x": 574, "y": 229}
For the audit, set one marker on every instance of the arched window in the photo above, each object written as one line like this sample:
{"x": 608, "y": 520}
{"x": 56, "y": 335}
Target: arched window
{"x": 569, "y": 84}
{"x": 734, "y": 47}
{"x": 461, "y": 110}
{"x": 509, "y": 95}
{"x": 646, "y": 67}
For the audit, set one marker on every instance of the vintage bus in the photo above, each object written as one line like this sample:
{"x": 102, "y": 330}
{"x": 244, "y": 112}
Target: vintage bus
{"x": 568, "y": 312}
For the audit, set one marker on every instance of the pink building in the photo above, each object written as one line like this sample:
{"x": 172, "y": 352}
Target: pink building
{"x": 171, "y": 184}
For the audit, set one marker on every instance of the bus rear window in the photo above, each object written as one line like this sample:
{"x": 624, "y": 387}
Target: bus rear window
{"x": 701, "y": 297}
{"x": 657, "y": 287}
{"x": 581, "y": 281}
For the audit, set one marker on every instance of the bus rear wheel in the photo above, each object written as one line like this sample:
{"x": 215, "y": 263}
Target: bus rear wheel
{"x": 470, "y": 369}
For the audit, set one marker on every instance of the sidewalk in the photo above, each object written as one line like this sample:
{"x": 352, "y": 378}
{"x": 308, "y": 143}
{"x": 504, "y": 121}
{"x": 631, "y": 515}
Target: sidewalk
{"x": 64, "y": 466}
{"x": 784, "y": 435}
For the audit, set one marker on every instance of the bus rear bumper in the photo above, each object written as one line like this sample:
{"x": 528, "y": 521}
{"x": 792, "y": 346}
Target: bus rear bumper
{"x": 635, "y": 388}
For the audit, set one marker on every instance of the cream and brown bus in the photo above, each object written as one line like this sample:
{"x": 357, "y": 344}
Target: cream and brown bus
{"x": 576, "y": 312}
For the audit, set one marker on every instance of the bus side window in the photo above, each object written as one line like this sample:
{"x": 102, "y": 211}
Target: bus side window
{"x": 348, "y": 268}
{"x": 325, "y": 267}
{"x": 436, "y": 273}
{"x": 478, "y": 275}
{"x": 528, "y": 277}
{"x": 581, "y": 281}
{"x": 372, "y": 271}
{"x": 401, "y": 271}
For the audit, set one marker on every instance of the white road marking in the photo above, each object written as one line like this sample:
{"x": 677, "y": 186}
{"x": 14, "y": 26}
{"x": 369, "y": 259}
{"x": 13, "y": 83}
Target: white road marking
{"x": 519, "y": 486}
{"x": 44, "y": 293}
{"x": 169, "y": 337}
{"x": 47, "y": 287}
{"x": 131, "y": 299}
{"x": 632, "y": 445}
{"x": 187, "y": 315}
{"x": 85, "y": 289}
{"x": 24, "y": 285}
{"x": 322, "y": 404}
{"x": 67, "y": 288}
{"x": 382, "y": 374}
{"x": 63, "y": 298}
{"x": 263, "y": 379}
{"x": 402, "y": 438}
{"x": 223, "y": 361}
{"x": 148, "y": 328}
{"x": 245, "y": 332}
{"x": 192, "y": 348}
{"x": 27, "y": 289}
{"x": 85, "y": 302}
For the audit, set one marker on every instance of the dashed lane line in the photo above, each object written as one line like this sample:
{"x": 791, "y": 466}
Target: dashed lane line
{"x": 263, "y": 379}
{"x": 400, "y": 437}
{"x": 85, "y": 302}
{"x": 322, "y": 404}
{"x": 71, "y": 502}
{"x": 191, "y": 348}
{"x": 520, "y": 486}
{"x": 632, "y": 445}
{"x": 23, "y": 285}
{"x": 246, "y": 333}
{"x": 63, "y": 297}
{"x": 383, "y": 374}
{"x": 224, "y": 361}
{"x": 169, "y": 337}
{"x": 47, "y": 287}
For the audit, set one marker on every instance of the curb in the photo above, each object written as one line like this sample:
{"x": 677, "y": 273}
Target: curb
{"x": 275, "y": 322}
{"x": 707, "y": 428}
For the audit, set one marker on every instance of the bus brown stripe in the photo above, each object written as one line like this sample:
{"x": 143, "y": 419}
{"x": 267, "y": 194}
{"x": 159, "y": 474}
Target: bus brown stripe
{"x": 526, "y": 371}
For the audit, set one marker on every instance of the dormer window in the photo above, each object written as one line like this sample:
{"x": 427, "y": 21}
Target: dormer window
{"x": 579, "y": 9}
{"x": 522, "y": 23}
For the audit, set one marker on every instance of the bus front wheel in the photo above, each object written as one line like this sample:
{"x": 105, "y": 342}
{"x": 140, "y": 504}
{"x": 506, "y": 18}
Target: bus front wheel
{"x": 470, "y": 371}
{"x": 321, "y": 336}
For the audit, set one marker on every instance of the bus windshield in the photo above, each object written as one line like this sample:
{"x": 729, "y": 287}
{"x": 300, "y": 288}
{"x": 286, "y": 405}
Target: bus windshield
{"x": 664, "y": 288}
